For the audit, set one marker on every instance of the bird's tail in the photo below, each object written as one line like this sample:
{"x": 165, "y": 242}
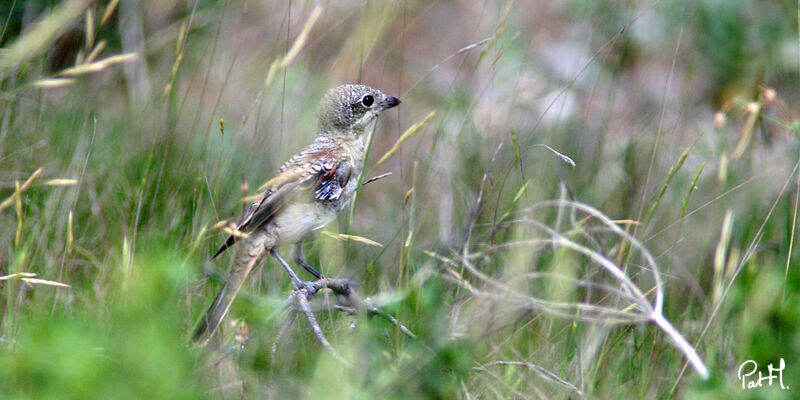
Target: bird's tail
{"x": 242, "y": 265}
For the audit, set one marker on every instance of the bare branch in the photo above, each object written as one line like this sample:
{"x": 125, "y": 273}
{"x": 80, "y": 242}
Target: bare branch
{"x": 284, "y": 329}
{"x": 349, "y": 302}
{"x": 301, "y": 298}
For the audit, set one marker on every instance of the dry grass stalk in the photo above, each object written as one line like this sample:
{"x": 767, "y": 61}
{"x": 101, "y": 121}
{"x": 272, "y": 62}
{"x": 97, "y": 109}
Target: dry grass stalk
{"x": 284, "y": 61}
{"x": 625, "y": 302}
{"x": 411, "y": 131}
{"x": 352, "y": 238}
{"x": 28, "y": 277}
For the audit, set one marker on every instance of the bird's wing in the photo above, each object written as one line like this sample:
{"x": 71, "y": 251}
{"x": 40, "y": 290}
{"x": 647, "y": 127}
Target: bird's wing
{"x": 314, "y": 172}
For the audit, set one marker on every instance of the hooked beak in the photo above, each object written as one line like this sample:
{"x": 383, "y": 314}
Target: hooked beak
{"x": 390, "y": 102}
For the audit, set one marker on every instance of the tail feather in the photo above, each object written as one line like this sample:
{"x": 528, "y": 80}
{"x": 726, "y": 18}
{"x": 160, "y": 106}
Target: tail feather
{"x": 246, "y": 259}
{"x": 228, "y": 243}
{"x": 218, "y": 309}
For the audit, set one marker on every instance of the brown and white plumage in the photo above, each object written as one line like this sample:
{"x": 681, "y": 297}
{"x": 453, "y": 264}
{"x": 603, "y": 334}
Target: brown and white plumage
{"x": 308, "y": 192}
{"x": 319, "y": 170}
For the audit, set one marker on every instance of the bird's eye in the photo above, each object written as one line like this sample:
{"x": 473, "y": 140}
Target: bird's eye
{"x": 368, "y": 100}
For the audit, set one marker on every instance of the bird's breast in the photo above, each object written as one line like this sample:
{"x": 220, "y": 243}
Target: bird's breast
{"x": 298, "y": 221}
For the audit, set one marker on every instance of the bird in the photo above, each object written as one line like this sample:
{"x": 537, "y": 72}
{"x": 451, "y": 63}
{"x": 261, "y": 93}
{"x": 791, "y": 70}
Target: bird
{"x": 308, "y": 192}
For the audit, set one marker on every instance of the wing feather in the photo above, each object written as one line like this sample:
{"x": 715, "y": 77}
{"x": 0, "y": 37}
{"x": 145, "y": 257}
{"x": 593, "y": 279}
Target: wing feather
{"x": 315, "y": 170}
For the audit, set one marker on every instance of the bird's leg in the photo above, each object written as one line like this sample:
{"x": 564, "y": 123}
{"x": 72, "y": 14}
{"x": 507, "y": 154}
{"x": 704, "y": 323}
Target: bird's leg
{"x": 300, "y": 258}
{"x": 310, "y": 287}
{"x": 295, "y": 279}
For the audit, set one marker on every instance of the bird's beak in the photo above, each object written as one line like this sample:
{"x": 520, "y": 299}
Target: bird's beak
{"x": 390, "y": 102}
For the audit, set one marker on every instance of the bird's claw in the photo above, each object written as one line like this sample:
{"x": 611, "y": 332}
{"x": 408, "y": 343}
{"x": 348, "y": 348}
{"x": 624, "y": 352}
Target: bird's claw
{"x": 310, "y": 287}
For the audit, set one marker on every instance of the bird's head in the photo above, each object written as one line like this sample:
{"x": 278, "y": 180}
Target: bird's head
{"x": 350, "y": 108}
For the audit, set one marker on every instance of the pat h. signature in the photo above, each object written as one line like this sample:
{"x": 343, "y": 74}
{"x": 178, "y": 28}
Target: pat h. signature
{"x": 747, "y": 375}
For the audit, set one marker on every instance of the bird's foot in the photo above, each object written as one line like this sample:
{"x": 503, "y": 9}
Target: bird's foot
{"x": 309, "y": 287}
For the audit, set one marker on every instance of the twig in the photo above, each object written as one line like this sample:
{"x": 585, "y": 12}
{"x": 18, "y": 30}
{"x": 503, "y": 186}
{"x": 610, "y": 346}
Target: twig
{"x": 375, "y": 178}
{"x": 285, "y": 328}
{"x": 349, "y": 303}
{"x": 301, "y": 298}
{"x": 371, "y": 309}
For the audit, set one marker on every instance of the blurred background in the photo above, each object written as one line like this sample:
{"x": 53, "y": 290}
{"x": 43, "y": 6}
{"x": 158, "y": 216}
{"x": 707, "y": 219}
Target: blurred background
{"x": 130, "y": 129}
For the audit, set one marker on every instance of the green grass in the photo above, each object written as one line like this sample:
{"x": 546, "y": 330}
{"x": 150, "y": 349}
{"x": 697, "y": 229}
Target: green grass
{"x": 490, "y": 256}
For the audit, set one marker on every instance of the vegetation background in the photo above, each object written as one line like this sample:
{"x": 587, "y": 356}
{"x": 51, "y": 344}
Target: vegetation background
{"x": 681, "y": 118}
